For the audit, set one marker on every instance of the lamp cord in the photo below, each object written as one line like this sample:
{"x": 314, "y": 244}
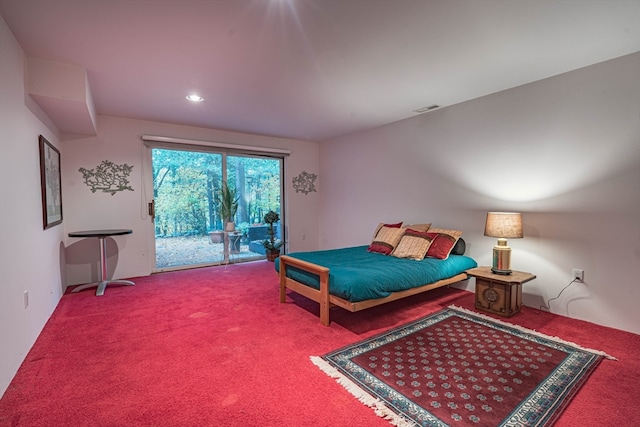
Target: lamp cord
{"x": 548, "y": 306}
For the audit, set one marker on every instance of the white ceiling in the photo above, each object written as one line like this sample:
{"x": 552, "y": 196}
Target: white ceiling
{"x": 314, "y": 69}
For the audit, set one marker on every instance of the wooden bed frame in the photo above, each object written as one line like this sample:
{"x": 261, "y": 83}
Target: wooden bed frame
{"x": 326, "y": 300}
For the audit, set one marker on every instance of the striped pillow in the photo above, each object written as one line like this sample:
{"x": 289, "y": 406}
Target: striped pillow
{"x": 386, "y": 238}
{"x": 382, "y": 224}
{"x": 413, "y": 245}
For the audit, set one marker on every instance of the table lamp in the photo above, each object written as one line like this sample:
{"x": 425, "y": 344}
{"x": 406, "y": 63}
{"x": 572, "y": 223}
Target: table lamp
{"x": 503, "y": 225}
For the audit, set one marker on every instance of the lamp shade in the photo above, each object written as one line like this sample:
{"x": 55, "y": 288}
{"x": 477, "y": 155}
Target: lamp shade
{"x": 504, "y": 225}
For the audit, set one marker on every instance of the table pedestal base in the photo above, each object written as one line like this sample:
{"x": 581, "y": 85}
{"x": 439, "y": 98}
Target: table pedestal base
{"x": 102, "y": 285}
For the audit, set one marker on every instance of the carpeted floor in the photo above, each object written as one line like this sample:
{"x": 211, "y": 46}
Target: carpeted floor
{"x": 214, "y": 347}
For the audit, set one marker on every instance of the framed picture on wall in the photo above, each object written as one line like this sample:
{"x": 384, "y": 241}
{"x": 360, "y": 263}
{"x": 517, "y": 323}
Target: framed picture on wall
{"x": 51, "y": 183}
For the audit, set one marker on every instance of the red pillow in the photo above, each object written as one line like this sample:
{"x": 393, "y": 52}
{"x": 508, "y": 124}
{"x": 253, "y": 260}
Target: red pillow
{"x": 441, "y": 245}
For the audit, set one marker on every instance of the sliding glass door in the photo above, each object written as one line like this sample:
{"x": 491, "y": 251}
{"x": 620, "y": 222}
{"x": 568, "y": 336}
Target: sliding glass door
{"x": 189, "y": 229}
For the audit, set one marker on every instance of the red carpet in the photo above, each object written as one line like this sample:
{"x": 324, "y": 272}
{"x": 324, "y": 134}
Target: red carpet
{"x": 213, "y": 347}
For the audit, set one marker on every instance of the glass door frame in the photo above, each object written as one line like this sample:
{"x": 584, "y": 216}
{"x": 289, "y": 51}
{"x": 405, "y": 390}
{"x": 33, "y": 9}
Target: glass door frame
{"x": 224, "y": 152}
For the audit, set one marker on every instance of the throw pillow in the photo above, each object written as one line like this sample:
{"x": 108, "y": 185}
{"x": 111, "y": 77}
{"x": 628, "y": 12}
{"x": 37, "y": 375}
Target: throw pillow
{"x": 413, "y": 245}
{"x": 460, "y": 247}
{"x": 443, "y": 242}
{"x": 419, "y": 227}
{"x": 382, "y": 224}
{"x": 386, "y": 239}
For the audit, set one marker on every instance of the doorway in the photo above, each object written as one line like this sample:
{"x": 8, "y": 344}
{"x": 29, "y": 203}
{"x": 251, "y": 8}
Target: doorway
{"x": 188, "y": 228}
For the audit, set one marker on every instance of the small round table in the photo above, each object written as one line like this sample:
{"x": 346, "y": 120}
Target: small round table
{"x": 102, "y": 235}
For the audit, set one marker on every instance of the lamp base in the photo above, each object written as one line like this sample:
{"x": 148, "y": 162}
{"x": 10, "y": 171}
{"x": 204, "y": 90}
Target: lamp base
{"x": 501, "y": 258}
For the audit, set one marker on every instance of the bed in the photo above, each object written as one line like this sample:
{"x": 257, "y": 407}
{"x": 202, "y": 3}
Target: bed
{"x": 355, "y": 278}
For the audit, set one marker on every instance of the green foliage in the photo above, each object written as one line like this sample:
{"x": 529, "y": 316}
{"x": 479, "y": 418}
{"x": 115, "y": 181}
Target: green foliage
{"x": 181, "y": 204}
{"x": 271, "y": 217}
{"x": 243, "y": 228}
{"x": 227, "y": 199}
{"x": 272, "y": 243}
{"x": 186, "y": 185}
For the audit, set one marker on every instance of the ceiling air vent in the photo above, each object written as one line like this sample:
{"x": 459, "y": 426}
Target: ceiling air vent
{"x": 425, "y": 109}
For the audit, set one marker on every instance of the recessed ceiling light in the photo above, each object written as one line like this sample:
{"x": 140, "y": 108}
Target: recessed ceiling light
{"x": 195, "y": 98}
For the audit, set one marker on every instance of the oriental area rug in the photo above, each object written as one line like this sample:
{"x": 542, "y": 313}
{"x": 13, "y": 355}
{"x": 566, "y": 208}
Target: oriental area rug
{"x": 460, "y": 368}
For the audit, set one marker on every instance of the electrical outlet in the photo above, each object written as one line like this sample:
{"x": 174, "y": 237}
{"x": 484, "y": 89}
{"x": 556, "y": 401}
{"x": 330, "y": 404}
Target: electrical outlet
{"x": 26, "y": 299}
{"x": 578, "y": 275}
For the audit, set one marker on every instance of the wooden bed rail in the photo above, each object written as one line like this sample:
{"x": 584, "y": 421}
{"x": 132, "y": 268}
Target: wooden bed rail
{"x": 321, "y": 296}
{"x": 326, "y": 300}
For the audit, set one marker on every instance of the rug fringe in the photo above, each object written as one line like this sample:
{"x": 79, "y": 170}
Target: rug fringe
{"x": 531, "y": 331}
{"x": 377, "y": 405}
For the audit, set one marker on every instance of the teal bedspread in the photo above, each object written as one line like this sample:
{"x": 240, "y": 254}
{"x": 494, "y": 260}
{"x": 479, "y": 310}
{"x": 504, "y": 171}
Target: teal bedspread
{"x": 358, "y": 275}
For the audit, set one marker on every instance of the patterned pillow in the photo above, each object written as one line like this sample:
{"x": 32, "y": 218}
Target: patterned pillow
{"x": 386, "y": 238}
{"x": 382, "y": 224}
{"x": 413, "y": 245}
{"x": 443, "y": 242}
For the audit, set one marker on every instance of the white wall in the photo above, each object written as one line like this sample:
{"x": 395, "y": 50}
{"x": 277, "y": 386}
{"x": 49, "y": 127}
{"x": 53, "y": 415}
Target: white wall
{"x": 30, "y": 257}
{"x": 565, "y": 151}
{"x": 119, "y": 140}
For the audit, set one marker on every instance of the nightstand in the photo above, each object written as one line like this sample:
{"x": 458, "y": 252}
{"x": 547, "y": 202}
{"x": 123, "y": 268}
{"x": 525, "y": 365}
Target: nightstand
{"x": 499, "y": 293}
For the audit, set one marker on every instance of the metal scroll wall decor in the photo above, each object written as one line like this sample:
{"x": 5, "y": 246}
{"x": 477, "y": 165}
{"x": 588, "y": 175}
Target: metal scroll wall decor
{"x": 107, "y": 177}
{"x": 305, "y": 182}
